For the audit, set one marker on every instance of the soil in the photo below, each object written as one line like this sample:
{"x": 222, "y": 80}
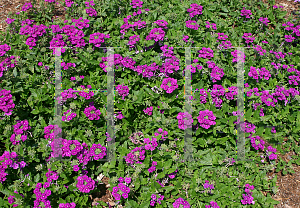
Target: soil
{"x": 289, "y": 185}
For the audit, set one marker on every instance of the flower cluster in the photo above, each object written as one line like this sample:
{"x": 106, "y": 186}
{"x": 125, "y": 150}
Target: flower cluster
{"x": 98, "y": 38}
{"x": 119, "y": 116}
{"x": 278, "y": 55}
{"x": 237, "y": 58}
{"x": 246, "y": 13}
{"x": 7, "y": 160}
{"x": 89, "y": 3}
{"x": 80, "y": 24}
{"x": 27, "y": 22}
{"x": 136, "y": 137}
{"x": 9, "y": 21}
{"x": 156, "y": 34}
{"x": 122, "y": 189}
{"x": 212, "y": 25}
{"x": 33, "y": 33}
{"x": 185, "y": 39}
{"x": 41, "y": 194}
{"x": 148, "y": 110}
{"x": 134, "y": 156}
{"x": 257, "y": 143}
{"x": 57, "y": 41}
{"x": 221, "y": 36}
{"x": 6, "y": 102}
{"x": 172, "y": 175}
{"x": 212, "y": 205}
{"x": 11, "y": 199}
{"x": 136, "y": 3}
{"x": 206, "y": 53}
{"x": 247, "y": 37}
{"x": 195, "y": 10}
{"x": 263, "y": 73}
{"x": 225, "y": 45}
{"x": 85, "y": 184}
{"x": 247, "y": 127}
{"x": 162, "y": 133}
{"x": 247, "y": 198}
{"x": 67, "y": 205}
{"x": 97, "y": 151}
{"x": 122, "y": 91}
{"x": 92, "y": 113}
{"x": 3, "y": 49}
{"x": 203, "y": 95}
{"x": 165, "y": 86}
{"x": 47, "y": 130}
{"x": 264, "y": 20}
{"x": 181, "y": 201}
{"x": 270, "y": 152}
{"x": 161, "y": 23}
{"x": 84, "y": 94}
{"x": 156, "y": 199}
{"x": 216, "y": 72}
{"x": 185, "y": 120}
{"x": 192, "y": 24}
{"x": 260, "y": 50}
{"x": 152, "y": 168}
{"x": 18, "y": 131}
{"x": 216, "y": 92}
{"x": 206, "y": 122}
{"x": 289, "y": 38}
{"x": 9, "y": 62}
{"x": 51, "y": 175}
{"x": 90, "y": 11}
{"x": 150, "y": 145}
{"x": 170, "y": 63}
{"x": 68, "y": 115}
{"x": 133, "y": 40}
{"x": 206, "y": 185}
{"x": 26, "y": 6}
{"x": 232, "y": 91}
{"x": 139, "y": 24}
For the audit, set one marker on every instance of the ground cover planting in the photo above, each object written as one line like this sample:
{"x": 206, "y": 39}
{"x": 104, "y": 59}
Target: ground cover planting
{"x": 176, "y": 104}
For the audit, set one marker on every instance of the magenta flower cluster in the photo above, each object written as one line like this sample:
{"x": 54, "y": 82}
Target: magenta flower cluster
{"x": 192, "y": 24}
{"x": 270, "y": 152}
{"x": 67, "y": 205}
{"x": 119, "y": 116}
{"x": 257, "y": 143}
{"x": 156, "y": 199}
{"x": 206, "y": 122}
{"x": 148, "y": 110}
{"x": 212, "y": 205}
{"x": 41, "y": 192}
{"x": 68, "y": 116}
{"x": 7, "y": 63}
{"x": 206, "y": 185}
{"x": 152, "y": 168}
{"x": 19, "y": 131}
{"x": 136, "y": 3}
{"x": 237, "y": 58}
{"x": 185, "y": 39}
{"x": 51, "y": 175}
{"x": 9, "y": 21}
{"x": 206, "y": 53}
{"x": 161, "y": 23}
{"x": 85, "y": 184}
{"x": 49, "y": 133}
{"x": 156, "y": 34}
{"x": 122, "y": 90}
{"x": 92, "y": 113}
{"x": 247, "y": 37}
{"x": 150, "y": 145}
{"x": 90, "y": 11}
{"x": 81, "y": 24}
{"x": 3, "y": 49}
{"x": 33, "y": 33}
{"x": 133, "y": 40}
{"x": 181, "y": 201}
{"x": 170, "y": 62}
{"x": 162, "y": 133}
{"x": 97, "y": 151}
{"x": 165, "y": 86}
{"x": 195, "y": 10}
{"x": 263, "y": 73}
{"x": 122, "y": 189}
{"x": 98, "y": 38}
{"x": 212, "y": 25}
{"x": 26, "y": 6}
{"x": 246, "y": 13}
{"x": 11, "y": 199}
{"x": 264, "y": 20}
{"x": 260, "y": 50}
{"x": 216, "y": 72}
{"x": 7, "y": 160}
{"x": 185, "y": 120}
{"x": 247, "y": 198}
{"x": 6, "y": 102}
{"x": 135, "y": 155}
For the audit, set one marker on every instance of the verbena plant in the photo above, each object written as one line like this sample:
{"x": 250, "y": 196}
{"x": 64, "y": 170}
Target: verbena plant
{"x": 150, "y": 119}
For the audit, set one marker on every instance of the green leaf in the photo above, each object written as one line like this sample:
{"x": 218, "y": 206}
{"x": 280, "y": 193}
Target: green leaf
{"x": 37, "y": 178}
{"x": 145, "y": 204}
{"x": 15, "y": 72}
